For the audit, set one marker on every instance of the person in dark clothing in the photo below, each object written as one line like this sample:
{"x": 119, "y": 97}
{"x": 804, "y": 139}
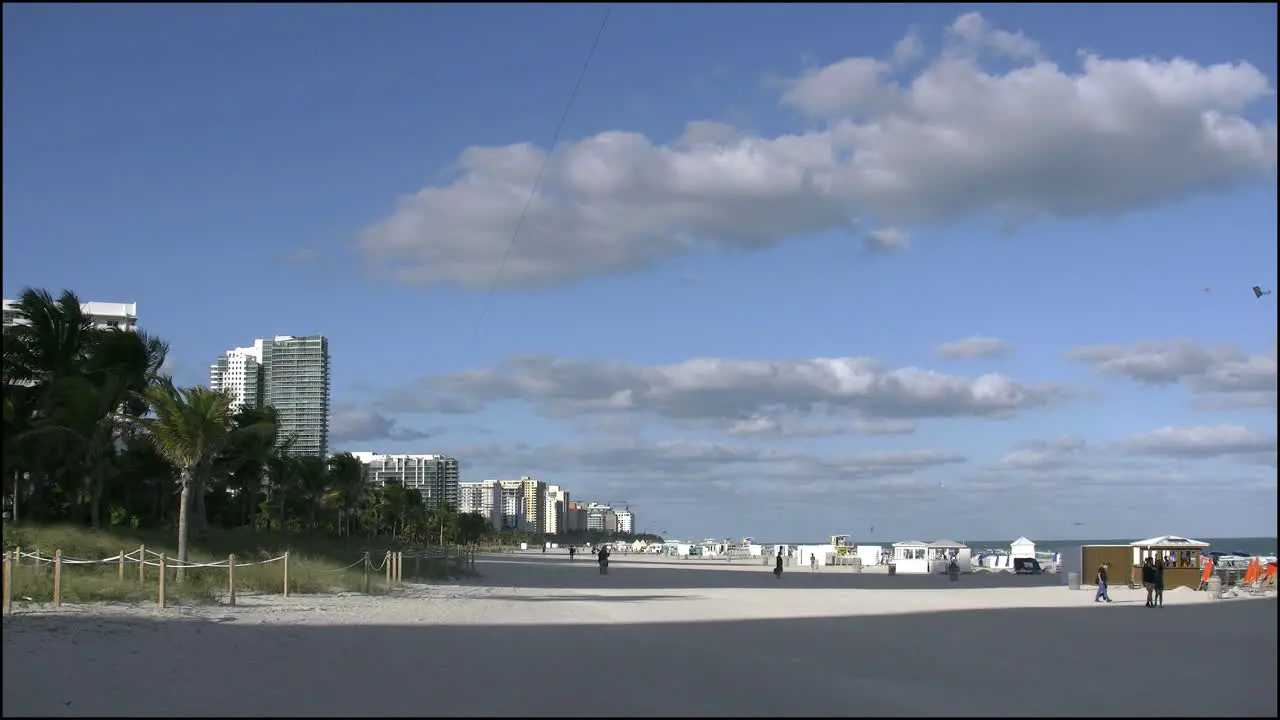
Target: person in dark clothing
{"x": 1158, "y": 601}
{"x": 572, "y": 551}
{"x": 603, "y": 559}
{"x": 777, "y": 566}
{"x": 1102, "y": 584}
{"x": 1149, "y": 580}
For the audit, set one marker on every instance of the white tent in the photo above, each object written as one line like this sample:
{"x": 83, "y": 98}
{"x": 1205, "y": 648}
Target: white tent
{"x": 1022, "y": 548}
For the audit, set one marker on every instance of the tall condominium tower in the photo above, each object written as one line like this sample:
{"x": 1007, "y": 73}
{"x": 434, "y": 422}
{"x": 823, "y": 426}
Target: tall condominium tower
{"x": 292, "y": 376}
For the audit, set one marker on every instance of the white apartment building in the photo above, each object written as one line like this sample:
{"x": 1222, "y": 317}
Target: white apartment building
{"x": 515, "y": 506}
{"x": 483, "y": 498}
{"x": 103, "y": 314}
{"x": 434, "y": 476}
{"x": 626, "y": 521}
{"x": 534, "y": 496}
{"x": 554, "y": 509}
{"x": 239, "y": 374}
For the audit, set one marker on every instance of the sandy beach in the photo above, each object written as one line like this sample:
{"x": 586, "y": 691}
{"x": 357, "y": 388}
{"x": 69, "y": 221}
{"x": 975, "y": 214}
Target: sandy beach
{"x": 541, "y": 636}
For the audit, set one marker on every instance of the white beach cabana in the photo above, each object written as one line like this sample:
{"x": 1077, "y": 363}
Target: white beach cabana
{"x": 1022, "y": 548}
{"x": 942, "y": 552}
{"x": 911, "y": 557}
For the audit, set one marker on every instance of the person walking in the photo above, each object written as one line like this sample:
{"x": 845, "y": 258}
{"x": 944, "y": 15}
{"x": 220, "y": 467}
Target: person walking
{"x": 1148, "y": 580}
{"x": 813, "y": 562}
{"x": 572, "y": 551}
{"x": 1158, "y": 599}
{"x": 1102, "y": 584}
{"x": 777, "y": 566}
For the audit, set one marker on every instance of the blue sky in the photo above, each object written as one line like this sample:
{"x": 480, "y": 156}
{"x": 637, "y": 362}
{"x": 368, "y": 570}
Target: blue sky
{"x": 1067, "y": 180}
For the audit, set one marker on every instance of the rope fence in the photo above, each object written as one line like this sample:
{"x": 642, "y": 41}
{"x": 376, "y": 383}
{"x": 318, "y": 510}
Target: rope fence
{"x": 391, "y": 564}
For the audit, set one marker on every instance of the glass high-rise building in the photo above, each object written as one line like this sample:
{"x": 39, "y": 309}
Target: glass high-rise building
{"x": 292, "y": 376}
{"x": 296, "y": 379}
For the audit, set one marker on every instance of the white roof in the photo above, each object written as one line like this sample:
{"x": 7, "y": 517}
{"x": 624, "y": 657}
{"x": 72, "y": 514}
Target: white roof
{"x": 910, "y": 543}
{"x": 1169, "y": 541}
{"x": 946, "y": 544}
{"x": 1022, "y": 541}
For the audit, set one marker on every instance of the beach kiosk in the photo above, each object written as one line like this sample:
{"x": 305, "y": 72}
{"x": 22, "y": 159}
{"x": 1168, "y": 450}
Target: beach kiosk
{"x": 942, "y": 552}
{"x": 1022, "y": 548}
{"x": 911, "y": 557}
{"x": 1179, "y": 555}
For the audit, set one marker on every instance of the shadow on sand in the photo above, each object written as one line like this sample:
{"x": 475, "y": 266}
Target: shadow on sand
{"x": 554, "y": 573}
{"x": 1198, "y": 660}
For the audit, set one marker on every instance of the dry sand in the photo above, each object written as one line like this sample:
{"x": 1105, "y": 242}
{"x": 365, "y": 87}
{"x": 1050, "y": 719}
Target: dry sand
{"x": 540, "y": 636}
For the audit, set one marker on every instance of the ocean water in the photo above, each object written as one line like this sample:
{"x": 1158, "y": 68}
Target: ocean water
{"x": 1252, "y": 546}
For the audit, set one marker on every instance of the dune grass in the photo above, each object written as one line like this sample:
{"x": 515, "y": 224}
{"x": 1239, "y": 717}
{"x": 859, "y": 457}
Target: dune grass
{"x": 317, "y": 564}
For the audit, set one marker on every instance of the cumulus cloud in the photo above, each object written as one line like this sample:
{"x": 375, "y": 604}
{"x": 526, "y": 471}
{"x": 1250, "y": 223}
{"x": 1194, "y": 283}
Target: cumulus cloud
{"x": 1220, "y": 377}
{"x": 1042, "y": 454}
{"x": 974, "y": 347}
{"x": 888, "y": 240}
{"x": 957, "y": 140}
{"x": 736, "y": 390}
{"x": 1200, "y": 442}
{"x": 768, "y": 426}
{"x": 909, "y": 49}
{"x": 709, "y": 466}
{"x": 354, "y": 423}
{"x": 1223, "y": 456}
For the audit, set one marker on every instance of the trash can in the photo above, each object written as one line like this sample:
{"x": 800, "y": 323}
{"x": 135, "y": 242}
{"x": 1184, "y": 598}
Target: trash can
{"x": 1073, "y": 580}
{"x": 1214, "y": 586}
{"x": 893, "y": 569}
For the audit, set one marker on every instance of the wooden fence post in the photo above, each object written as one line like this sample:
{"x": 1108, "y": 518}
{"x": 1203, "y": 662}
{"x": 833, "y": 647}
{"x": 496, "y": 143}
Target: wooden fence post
{"x": 57, "y": 578}
{"x": 387, "y": 563}
{"x": 399, "y": 567}
{"x": 231, "y": 579}
{"x": 17, "y": 555}
{"x": 160, "y": 598}
{"x": 366, "y": 571}
{"x": 9, "y": 558}
{"x": 286, "y": 573}
{"x": 120, "y": 566}
{"x": 142, "y": 567}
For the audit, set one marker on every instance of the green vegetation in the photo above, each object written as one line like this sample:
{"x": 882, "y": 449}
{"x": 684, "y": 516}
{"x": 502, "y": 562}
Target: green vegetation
{"x": 101, "y": 451}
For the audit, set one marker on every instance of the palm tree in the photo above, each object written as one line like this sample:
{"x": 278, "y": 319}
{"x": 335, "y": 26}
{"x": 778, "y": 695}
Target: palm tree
{"x": 191, "y": 426}
{"x": 346, "y": 476}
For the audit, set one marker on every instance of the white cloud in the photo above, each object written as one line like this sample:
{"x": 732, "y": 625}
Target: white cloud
{"x": 955, "y": 141}
{"x": 971, "y": 33}
{"x": 1219, "y": 377}
{"x": 1200, "y": 442}
{"x": 888, "y": 240}
{"x": 353, "y": 423}
{"x": 732, "y": 390}
{"x": 1042, "y": 454}
{"x": 721, "y": 468}
{"x": 974, "y": 347}
{"x": 909, "y": 48}
{"x": 761, "y": 425}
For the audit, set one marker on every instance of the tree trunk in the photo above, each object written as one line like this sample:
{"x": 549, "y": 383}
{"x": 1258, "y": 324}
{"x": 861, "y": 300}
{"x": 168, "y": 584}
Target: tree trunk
{"x": 184, "y": 520}
{"x": 96, "y": 483}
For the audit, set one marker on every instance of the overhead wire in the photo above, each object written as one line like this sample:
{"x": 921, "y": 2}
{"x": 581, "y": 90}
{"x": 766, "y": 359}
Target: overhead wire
{"x": 542, "y": 168}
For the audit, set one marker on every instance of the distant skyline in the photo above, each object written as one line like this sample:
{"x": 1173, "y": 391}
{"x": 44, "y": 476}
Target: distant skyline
{"x": 945, "y": 270}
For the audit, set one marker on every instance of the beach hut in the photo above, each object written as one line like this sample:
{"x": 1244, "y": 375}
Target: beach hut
{"x": 869, "y": 554}
{"x": 1179, "y": 555}
{"x": 911, "y": 557}
{"x": 1022, "y": 548}
{"x": 942, "y": 552}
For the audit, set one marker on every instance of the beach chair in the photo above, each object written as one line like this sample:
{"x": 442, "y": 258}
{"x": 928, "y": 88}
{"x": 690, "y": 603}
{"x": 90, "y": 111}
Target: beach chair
{"x": 1206, "y": 574}
{"x": 1253, "y": 576}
